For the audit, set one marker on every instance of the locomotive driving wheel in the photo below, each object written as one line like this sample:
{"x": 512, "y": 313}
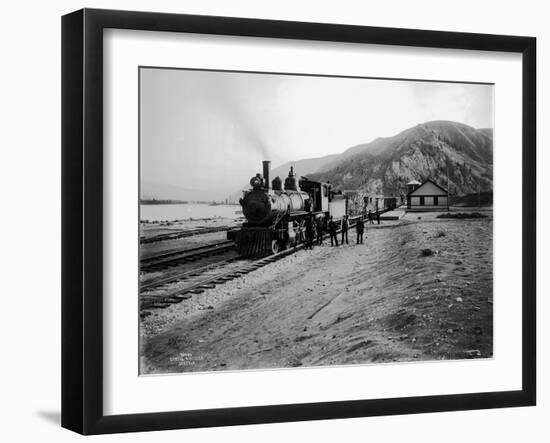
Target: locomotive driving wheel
{"x": 275, "y": 246}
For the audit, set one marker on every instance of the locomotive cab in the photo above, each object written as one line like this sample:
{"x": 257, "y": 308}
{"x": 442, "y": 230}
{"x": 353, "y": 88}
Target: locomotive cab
{"x": 319, "y": 193}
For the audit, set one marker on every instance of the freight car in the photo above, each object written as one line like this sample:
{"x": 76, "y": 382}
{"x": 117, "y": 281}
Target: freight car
{"x": 276, "y": 215}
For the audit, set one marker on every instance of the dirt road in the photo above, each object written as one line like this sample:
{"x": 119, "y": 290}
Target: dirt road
{"x": 420, "y": 291}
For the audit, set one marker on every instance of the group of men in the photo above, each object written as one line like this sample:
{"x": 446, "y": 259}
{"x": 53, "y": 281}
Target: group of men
{"x": 317, "y": 227}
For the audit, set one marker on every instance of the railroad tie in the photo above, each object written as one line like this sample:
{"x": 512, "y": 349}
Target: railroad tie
{"x": 183, "y": 296}
{"x": 171, "y": 300}
{"x": 158, "y": 305}
{"x": 207, "y": 286}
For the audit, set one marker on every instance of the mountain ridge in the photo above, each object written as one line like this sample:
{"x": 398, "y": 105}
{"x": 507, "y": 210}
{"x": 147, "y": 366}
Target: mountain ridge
{"x": 444, "y": 151}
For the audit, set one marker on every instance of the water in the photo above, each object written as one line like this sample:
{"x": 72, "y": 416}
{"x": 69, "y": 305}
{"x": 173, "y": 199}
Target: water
{"x": 186, "y": 211}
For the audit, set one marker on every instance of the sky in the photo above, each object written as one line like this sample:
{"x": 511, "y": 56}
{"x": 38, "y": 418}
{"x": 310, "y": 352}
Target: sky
{"x": 210, "y": 130}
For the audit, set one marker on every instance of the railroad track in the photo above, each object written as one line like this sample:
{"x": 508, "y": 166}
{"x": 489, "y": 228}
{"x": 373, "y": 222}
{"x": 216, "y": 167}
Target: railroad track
{"x": 157, "y": 283}
{"x": 182, "y": 234}
{"x": 196, "y": 282}
{"x": 178, "y": 257}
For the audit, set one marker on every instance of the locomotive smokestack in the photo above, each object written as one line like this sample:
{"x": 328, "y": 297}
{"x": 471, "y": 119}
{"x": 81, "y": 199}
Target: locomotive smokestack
{"x": 267, "y": 167}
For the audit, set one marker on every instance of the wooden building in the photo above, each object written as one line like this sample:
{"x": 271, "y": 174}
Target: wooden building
{"x": 427, "y": 196}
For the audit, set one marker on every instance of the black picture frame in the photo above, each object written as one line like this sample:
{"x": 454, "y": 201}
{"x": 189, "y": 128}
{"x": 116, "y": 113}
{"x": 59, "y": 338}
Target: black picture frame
{"x": 82, "y": 219}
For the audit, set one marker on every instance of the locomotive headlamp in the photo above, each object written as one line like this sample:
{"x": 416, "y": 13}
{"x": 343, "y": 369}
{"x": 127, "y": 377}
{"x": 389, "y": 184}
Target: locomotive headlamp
{"x": 256, "y": 181}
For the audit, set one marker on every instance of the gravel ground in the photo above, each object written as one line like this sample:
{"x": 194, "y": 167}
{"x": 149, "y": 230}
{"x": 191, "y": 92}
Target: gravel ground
{"x": 413, "y": 291}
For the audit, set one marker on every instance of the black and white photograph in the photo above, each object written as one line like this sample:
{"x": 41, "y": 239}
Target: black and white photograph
{"x": 294, "y": 221}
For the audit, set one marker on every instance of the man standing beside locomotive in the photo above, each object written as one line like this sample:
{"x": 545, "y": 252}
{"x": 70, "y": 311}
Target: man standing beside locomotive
{"x": 332, "y": 227}
{"x": 370, "y": 217}
{"x": 345, "y": 226}
{"x": 320, "y": 230}
{"x": 309, "y": 232}
{"x": 360, "y": 228}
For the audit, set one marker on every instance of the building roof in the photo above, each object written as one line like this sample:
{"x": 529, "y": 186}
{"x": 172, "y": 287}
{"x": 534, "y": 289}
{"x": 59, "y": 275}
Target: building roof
{"x": 413, "y": 182}
{"x": 432, "y": 182}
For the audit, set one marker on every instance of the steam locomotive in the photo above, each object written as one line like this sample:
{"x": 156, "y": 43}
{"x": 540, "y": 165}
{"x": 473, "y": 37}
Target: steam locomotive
{"x": 276, "y": 216}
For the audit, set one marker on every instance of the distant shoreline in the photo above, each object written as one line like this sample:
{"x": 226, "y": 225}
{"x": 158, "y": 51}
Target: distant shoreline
{"x": 184, "y": 202}
{"x": 163, "y": 202}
